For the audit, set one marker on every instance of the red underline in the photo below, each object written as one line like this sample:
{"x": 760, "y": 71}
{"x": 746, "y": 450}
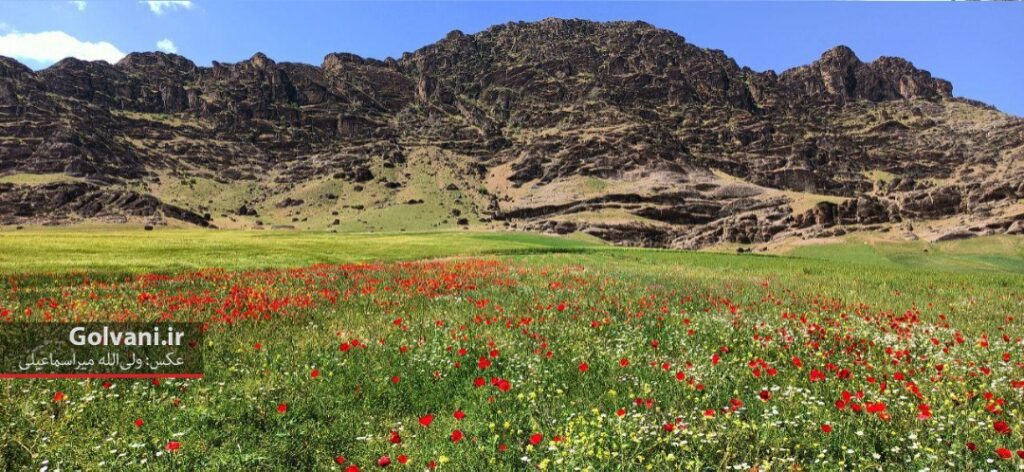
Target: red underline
{"x": 5, "y": 375}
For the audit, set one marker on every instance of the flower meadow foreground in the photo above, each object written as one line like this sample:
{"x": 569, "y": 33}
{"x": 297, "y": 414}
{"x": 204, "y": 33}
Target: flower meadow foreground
{"x": 551, "y": 363}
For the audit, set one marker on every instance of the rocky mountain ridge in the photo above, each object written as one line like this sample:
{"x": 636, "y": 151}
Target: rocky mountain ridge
{"x": 621, "y": 130}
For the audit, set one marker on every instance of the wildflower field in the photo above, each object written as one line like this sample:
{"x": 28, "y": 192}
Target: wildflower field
{"x": 530, "y": 353}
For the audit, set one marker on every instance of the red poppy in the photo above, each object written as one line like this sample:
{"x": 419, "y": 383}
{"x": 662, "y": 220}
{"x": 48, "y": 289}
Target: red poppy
{"x": 314, "y": 374}
{"x": 457, "y": 436}
{"x": 826, "y": 428}
{"x": 536, "y": 438}
{"x": 384, "y": 461}
{"x": 173, "y": 446}
{"x": 459, "y": 415}
{"x": 425, "y": 420}
{"x": 816, "y": 375}
{"x": 339, "y": 460}
{"x": 1001, "y": 427}
{"x": 1004, "y": 453}
{"x": 395, "y": 438}
{"x": 58, "y": 397}
{"x": 282, "y": 408}
{"x": 765, "y": 395}
{"x": 584, "y": 367}
{"x": 924, "y": 411}
{"x": 403, "y": 459}
{"x": 139, "y": 423}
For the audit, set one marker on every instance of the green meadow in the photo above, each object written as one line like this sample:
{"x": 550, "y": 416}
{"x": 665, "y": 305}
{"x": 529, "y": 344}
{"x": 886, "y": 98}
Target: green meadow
{"x": 116, "y": 249}
{"x": 474, "y": 351}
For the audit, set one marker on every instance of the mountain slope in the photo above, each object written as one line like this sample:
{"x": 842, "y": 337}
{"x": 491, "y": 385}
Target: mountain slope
{"x": 621, "y": 130}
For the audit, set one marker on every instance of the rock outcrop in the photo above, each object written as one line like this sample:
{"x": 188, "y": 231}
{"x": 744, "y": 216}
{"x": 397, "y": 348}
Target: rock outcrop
{"x": 619, "y": 129}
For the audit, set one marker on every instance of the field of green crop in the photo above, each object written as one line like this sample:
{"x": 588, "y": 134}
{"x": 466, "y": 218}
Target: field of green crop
{"x": 502, "y": 351}
{"x": 134, "y": 250}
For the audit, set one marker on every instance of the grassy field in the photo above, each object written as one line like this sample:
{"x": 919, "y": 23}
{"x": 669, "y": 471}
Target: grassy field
{"x": 36, "y": 179}
{"x": 534, "y": 353}
{"x": 988, "y": 254}
{"x": 115, "y": 250}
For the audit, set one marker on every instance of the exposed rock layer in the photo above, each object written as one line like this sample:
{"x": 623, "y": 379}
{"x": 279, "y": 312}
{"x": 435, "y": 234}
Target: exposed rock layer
{"x": 619, "y": 129}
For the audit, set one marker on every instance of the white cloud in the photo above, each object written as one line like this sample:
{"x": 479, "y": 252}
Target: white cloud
{"x": 48, "y": 47}
{"x": 160, "y": 6}
{"x": 79, "y": 4}
{"x": 166, "y": 45}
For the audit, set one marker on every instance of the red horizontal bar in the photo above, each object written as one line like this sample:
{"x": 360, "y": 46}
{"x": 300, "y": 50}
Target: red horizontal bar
{"x": 5, "y": 375}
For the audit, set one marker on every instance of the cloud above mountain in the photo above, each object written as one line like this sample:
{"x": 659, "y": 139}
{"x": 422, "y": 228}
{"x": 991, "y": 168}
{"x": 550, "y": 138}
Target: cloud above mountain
{"x": 160, "y": 6}
{"x": 46, "y": 47}
{"x": 166, "y": 45}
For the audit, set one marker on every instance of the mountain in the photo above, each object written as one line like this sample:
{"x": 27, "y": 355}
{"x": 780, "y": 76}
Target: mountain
{"x": 620, "y": 130}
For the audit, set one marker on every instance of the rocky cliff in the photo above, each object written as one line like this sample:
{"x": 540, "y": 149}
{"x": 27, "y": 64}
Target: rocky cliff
{"x": 621, "y": 130}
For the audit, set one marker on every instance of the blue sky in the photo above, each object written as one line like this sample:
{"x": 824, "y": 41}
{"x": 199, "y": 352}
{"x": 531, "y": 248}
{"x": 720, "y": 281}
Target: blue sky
{"x": 977, "y": 46}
